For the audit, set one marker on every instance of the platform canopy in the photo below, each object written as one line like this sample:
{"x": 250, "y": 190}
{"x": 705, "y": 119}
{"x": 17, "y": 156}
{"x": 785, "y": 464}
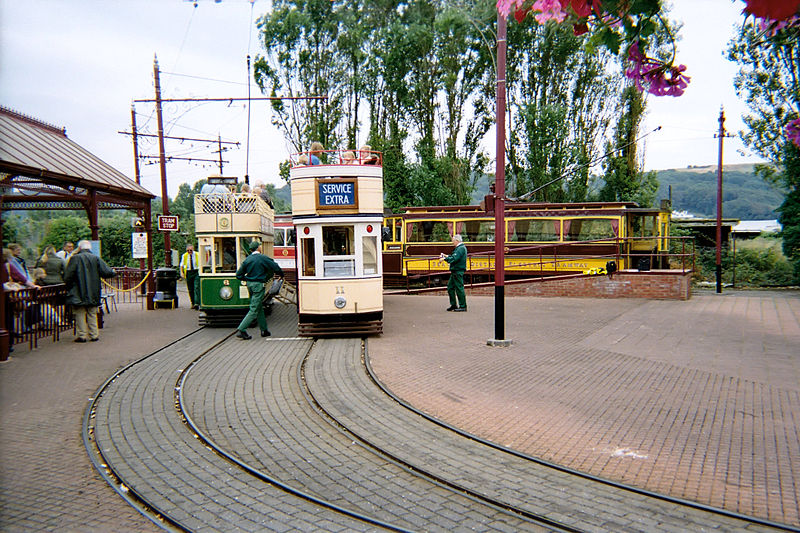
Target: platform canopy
{"x": 41, "y": 168}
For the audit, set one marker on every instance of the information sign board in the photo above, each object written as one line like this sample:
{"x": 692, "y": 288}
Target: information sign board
{"x": 139, "y": 245}
{"x": 336, "y": 193}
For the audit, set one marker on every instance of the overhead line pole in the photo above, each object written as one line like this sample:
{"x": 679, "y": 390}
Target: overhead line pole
{"x": 500, "y": 190}
{"x": 721, "y": 135}
{"x": 162, "y": 163}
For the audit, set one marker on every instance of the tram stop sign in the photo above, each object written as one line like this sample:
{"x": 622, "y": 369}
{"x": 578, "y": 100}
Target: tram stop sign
{"x": 168, "y": 223}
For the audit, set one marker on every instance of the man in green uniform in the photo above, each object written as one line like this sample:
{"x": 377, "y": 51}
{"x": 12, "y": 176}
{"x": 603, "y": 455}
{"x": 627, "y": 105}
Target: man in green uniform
{"x": 458, "y": 265}
{"x": 256, "y": 270}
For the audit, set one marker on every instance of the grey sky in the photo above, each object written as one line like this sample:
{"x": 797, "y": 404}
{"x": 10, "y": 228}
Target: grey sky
{"x": 80, "y": 64}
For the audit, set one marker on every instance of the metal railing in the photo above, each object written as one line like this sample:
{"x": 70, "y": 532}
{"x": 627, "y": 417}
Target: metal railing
{"x": 37, "y": 313}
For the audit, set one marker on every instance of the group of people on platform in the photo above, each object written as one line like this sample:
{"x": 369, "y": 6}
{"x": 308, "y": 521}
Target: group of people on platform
{"x": 78, "y": 269}
{"x": 365, "y": 156}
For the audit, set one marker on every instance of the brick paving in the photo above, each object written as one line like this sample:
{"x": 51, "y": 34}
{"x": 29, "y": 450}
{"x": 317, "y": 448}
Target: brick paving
{"x": 699, "y": 399}
{"x": 47, "y": 482}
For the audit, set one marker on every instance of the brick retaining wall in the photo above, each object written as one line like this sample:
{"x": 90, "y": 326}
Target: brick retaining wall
{"x": 657, "y": 284}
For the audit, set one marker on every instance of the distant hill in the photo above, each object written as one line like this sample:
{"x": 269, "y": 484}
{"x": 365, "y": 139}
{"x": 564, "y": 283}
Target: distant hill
{"x": 744, "y": 195}
{"x": 694, "y": 189}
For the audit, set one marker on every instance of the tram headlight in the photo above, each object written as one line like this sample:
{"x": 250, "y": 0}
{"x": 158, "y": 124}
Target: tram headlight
{"x": 226, "y": 293}
{"x": 340, "y": 302}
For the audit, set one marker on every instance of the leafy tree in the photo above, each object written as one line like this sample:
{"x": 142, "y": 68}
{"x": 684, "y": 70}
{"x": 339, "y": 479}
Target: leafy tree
{"x": 69, "y": 228}
{"x": 299, "y": 38}
{"x": 769, "y": 80}
{"x": 624, "y": 180}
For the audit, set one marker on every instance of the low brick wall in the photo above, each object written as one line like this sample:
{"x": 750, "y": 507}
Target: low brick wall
{"x": 656, "y": 284}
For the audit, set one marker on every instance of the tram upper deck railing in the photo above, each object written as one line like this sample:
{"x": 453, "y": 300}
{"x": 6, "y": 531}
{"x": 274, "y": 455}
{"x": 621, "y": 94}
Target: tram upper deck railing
{"x": 230, "y": 203}
{"x": 337, "y": 157}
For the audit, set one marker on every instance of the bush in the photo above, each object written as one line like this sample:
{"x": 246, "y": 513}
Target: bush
{"x": 758, "y": 263}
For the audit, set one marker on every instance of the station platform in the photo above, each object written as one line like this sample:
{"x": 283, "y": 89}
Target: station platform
{"x": 699, "y": 399}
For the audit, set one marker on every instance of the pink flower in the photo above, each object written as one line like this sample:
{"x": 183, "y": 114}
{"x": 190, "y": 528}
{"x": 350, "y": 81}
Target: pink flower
{"x": 654, "y": 76}
{"x": 506, "y": 6}
{"x": 548, "y": 10}
{"x": 792, "y": 130}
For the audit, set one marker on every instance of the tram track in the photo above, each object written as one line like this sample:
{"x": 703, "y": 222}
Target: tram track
{"x": 595, "y": 479}
{"x": 315, "y": 413}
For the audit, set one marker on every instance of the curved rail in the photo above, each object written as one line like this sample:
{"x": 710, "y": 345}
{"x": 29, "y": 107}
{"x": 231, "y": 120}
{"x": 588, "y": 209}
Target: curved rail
{"x": 570, "y": 471}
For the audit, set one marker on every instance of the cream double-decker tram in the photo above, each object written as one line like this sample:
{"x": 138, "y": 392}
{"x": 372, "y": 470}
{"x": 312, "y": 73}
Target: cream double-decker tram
{"x": 337, "y": 210}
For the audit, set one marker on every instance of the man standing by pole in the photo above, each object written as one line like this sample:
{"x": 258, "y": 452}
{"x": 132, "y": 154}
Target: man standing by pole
{"x": 188, "y": 266}
{"x": 256, "y": 270}
{"x": 458, "y": 266}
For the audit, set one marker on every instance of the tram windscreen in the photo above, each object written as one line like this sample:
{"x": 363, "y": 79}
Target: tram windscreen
{"x": 338, "y": 251}
{"x": 369, "y": 246}
{"x": 309, "y": 257}
{"x": 225, "y": 254}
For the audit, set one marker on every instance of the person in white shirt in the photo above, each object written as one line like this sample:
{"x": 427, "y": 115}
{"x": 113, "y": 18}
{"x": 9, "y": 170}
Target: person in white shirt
{"x": 189, "y": 268}
{"x": 66, "y": 250}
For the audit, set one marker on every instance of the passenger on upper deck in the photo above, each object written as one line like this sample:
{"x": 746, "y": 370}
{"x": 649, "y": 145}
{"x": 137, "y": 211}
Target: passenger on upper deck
{"x": 302, "y": 160}
{"x": 260, "y": 190}
{"x": 348, "y": 158}
{"x": 316, "y": 150}
{"x": 366, "y": 156}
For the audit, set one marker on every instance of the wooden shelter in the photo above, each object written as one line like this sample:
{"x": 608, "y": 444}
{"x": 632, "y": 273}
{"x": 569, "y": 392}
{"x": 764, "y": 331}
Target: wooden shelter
{"x": 41, "y": 168}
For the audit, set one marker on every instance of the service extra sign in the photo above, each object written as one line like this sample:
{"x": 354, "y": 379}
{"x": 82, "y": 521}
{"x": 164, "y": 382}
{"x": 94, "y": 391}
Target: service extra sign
{"x": 336, "y": 193}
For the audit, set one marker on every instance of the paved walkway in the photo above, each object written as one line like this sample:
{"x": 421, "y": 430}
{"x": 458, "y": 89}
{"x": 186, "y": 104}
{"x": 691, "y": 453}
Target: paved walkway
{"x": 698, "y": 399}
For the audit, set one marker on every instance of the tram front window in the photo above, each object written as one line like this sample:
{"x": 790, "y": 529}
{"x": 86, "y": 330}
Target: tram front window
{"x": 338, "y": 251}
{"x": 225, "y": 254}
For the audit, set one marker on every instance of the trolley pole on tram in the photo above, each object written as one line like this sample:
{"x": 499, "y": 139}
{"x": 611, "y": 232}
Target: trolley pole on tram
{"x": 500, "y": 191}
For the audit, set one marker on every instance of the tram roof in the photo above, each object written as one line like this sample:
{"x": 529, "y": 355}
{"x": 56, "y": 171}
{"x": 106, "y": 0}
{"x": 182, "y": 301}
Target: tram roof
{"x": 528, "y": 206}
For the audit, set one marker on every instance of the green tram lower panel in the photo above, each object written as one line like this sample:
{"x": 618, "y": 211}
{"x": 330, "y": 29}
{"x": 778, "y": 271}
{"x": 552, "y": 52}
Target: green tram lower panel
{"x": 212, "y": 290}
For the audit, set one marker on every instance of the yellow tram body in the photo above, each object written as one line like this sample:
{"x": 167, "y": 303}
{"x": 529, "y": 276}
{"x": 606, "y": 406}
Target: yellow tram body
{"x": 337, "y": 211}
{"x": 541, "y": 239}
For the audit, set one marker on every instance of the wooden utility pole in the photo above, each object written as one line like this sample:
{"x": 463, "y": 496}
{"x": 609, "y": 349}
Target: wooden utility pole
{"x": 500, "y": 190}
{"x": 721, "y": 135}
{"x": 162, "y": 163}
{"x": 137, "y": 175}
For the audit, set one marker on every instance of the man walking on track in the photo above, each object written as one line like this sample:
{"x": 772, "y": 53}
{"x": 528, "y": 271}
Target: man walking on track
{"x": 188, "y": 267}
{"x": 256, "y": 270}
{"x": 458, "y": 265}
{"x": 82, "y": 277}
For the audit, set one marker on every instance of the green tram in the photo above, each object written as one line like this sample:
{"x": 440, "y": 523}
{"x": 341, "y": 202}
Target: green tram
{"x": 225, "y": 223}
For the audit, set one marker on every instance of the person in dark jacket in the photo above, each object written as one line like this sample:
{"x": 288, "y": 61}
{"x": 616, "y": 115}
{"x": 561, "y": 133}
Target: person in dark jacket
{"x": 82, "y": 277}
{"x": 53, "y": 267}
{"x": 458, "y": 265}
{"x": 256, "y": 270}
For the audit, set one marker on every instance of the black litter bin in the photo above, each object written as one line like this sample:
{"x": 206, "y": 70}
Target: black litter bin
{"x": 167, "y": 285}
{"x": 643, "y": 264}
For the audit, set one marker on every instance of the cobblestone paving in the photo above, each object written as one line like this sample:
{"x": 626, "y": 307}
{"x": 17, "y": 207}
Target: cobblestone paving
{"x": 145, "y": 442}
{"x": 699, "y": 399}
{"x": 46, "y": 480}
{"x": 248, "y": 399}
{"x": 341, "y": 386}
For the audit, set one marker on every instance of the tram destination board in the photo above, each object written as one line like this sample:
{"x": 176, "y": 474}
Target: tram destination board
{"x": 333, "y": 193}
{"x": 168, "y": 223}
